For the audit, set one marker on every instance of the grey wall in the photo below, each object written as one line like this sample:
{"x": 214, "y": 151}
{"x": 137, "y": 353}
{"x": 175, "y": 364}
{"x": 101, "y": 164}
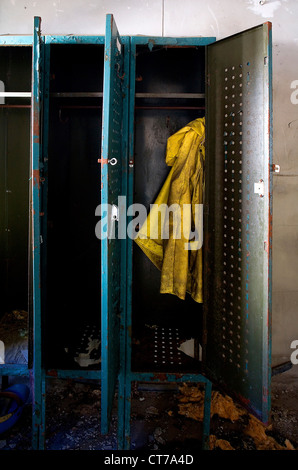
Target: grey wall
{"x": 218, "y": 18}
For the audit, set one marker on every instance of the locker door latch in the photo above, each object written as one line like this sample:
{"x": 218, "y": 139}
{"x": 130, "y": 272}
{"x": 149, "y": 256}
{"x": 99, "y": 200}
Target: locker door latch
{"x": 259, "y": 188}
{"x": 114, "y": 217}
{"x": 275, "y": 168}
{"x": 115, "y": 213}
{"x": 112, "y": 162}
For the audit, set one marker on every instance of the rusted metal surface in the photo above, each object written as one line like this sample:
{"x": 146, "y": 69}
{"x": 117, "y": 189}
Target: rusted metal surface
{"x": 35, "y": 221}
{"x": 36, "y": 120}
{"x": 111, "y": 180}
{"x": 237, "y": 297}
{"x": 16, "y": 106}
{"x": 36, "y": 180}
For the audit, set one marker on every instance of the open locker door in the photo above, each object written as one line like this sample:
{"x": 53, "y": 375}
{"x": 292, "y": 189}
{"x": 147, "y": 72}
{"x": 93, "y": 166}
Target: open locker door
{"x": 238, "y": 215}
{"x": 36, "y": 179}
{"x": 111, "y": 180}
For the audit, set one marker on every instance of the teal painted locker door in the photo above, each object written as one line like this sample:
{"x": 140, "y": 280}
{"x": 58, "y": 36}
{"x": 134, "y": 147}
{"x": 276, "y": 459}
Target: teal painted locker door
{"x": 237, "y": 299}
{"x": 36, "y": 179}
{"x": 111, "y": 183}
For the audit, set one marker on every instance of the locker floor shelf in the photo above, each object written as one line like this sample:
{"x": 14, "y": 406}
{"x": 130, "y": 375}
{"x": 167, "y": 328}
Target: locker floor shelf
{"x": 156, "y": 348}
{"x": 82, "y": 353}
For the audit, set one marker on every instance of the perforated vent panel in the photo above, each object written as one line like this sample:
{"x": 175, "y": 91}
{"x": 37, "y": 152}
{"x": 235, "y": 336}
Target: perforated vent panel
{"x": 237, "y": 227}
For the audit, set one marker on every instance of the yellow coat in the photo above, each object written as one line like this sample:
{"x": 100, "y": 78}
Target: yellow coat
{"x": 181, "y": 269}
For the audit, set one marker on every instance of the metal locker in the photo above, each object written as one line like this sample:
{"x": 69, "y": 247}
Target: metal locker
{"x": 98, "y": 133}
{"x": 166, "y": 92}
{"x": 21, "y": 128}
{"x": 16, "y": 310}
{"x": 74, "y": 79}
{"x": 84, "y": 79}
{"x": 236, "y": 327}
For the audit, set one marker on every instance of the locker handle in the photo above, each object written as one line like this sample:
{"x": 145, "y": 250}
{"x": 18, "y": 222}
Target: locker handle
{"x": 259, "y": 188}
{"x": 112, "y": 162}
{"x": 275, "y": 168}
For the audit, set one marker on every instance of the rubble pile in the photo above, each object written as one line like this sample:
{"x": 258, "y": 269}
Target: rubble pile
{"x": 191, "y": 405}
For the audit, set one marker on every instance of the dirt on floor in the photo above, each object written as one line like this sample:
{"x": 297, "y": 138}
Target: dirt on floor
{"x": 163, "y": 417}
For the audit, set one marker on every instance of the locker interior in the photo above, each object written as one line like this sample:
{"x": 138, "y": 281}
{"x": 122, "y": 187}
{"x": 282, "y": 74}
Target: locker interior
{"x": 236, "y": 327}
{"x": 73, "y": 253}
{"x": 15, "y": 77}
{"x": 165, "y": 78}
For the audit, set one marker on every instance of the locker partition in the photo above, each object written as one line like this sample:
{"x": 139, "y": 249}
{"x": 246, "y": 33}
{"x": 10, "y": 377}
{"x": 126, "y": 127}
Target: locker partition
{"x": 238, "y": 215}
{"x": 85, "y": 166}
{"x": 17, "y": 86}
{"x": 159, "y": 105}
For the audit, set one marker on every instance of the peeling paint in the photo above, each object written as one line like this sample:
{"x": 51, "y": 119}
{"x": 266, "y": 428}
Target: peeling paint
{"x": 36, "y": 179}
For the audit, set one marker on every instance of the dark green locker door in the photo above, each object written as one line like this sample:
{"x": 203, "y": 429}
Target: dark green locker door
{"x": 111, "y": 184}
{"x": 237, "y": 226}
{"x": 36, "y": 180}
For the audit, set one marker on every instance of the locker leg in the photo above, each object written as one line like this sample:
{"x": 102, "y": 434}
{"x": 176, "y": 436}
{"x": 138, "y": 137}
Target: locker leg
{"x": 42, "y": 427}
{"x": 38, "y": 413}
{"x": 35, "y": 413}
{"x": 121, "y": 413}
{"x": 207, "y": 413}
{"x": 127, "y": 413}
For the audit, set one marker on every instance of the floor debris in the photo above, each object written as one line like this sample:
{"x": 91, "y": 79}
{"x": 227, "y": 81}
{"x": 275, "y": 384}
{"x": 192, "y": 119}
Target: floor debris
{"x": 167, "y": 420}
{"x": 219, "y": 443}
{"x": 191, "y": 405}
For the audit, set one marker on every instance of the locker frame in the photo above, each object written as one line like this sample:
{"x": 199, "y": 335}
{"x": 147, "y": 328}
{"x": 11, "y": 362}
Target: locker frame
{"x": 16, "y": 41}
{"x": 86, "y": 40}
{"x": 34, "y": 373}
{"x": 48, "y": 41}
{"x": 128, "y": 376}
{"x": 40, "y": 97}
{"x": 133, "y": 376}
{"x": 6, "y": 369}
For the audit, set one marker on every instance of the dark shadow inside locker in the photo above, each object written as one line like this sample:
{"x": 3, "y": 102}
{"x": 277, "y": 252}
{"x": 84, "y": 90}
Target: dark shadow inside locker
{"x": 73, "y": 251}
{"x": 161, "y": 322}
{"x": 15, "y": 79}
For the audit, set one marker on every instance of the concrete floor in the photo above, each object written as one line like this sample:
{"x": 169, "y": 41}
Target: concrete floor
{"x": 284, "y": 402}
{"x": 73, "y": 419}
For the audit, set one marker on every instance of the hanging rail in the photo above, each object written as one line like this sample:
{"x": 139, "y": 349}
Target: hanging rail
{"x": 169, "y": 108}
{"x": 171, "y": 95}
{"x": 15, "y": 106}
{"x": 25, "y": 94}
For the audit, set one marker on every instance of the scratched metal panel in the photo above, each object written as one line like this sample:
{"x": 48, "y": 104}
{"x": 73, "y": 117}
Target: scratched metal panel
{"x": 111, "y": 165}
{"x": 36, "y": 192}
{"x": 237, "y": 226}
